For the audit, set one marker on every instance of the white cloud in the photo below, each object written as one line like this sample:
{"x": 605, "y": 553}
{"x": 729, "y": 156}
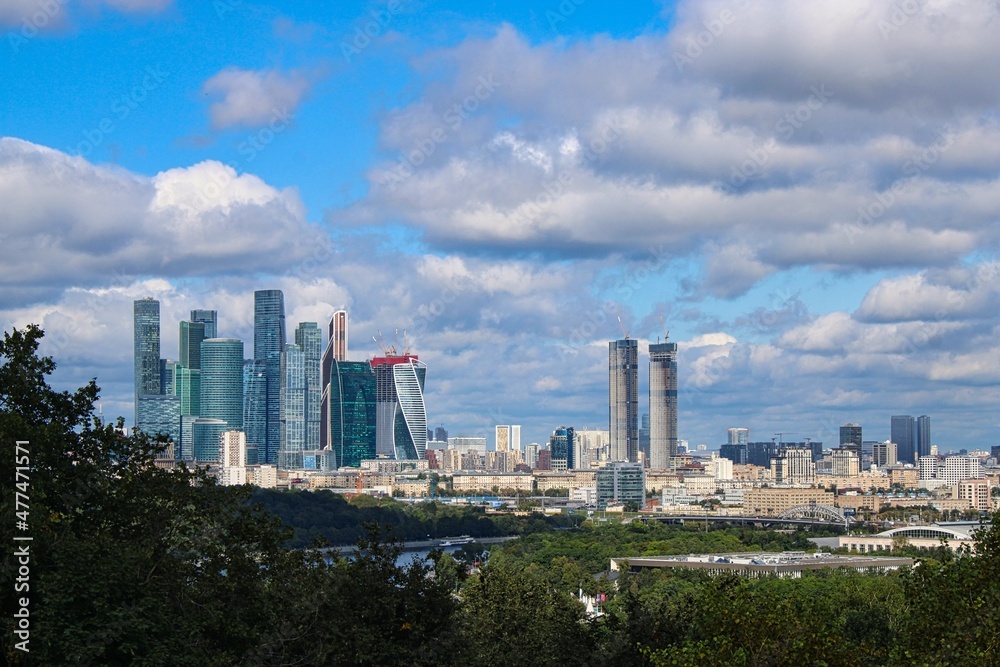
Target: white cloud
{"x": 253, "y": 98}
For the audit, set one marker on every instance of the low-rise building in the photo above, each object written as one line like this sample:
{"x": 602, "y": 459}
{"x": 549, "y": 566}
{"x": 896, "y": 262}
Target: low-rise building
{"x": 772, "y": 501}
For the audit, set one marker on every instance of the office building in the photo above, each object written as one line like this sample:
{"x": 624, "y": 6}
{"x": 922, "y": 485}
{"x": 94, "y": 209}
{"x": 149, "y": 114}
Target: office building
{"x": 561, "y": 449}
{"x": 338, "y": 335}
{"x": 794, "y": 466}
{"x": 400, "y": 413}
{"x": 146, "y": 347}
{"x": 735, "y": 452}
{"x": 292, "y": 408}
{"x": 623, "y": 399}
{"x": 160, "y": 415}
{"x": 844, "y": 463}
{"x": 643, "y": 437}
{"x": 884, "y": 454}
{"x": 960, "y": 468}
{"x": 621, "y": 482}
{"x": 761, "y": 453}
{"x": 850, "y": 438}
{"x": 901, "y": 432}
{"x": 187, "y": 387}
{"x": 167, "y": 376}
{"x": 232, "y": 458}
{"x": 268, "y": 343}
{"x": 348, "y": 407}
{"x": 441, "y": 434}
{"x": 923, "y": 435}
{"x": 255, "y": 407}
{"x": 309, "y": 338}
{"x": 738, "y": 436}
{"x": 206, "y": 434}
{"x": 222, "y": 382}
{"x": 210, "y": 320}
{"x": 662, "y": 404}
{"x": 508, "y": 438}
{"x": 189, "y": 337}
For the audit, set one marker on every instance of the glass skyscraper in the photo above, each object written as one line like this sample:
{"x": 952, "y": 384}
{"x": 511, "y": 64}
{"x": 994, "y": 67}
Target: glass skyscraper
{"x": 400, "y": 416}
{"x": 268, "y": 343}
{"x": 348, "y": 406}
{"x": 623, "y": 399}
{"x": 851, "y": 438}
{"x": 160, "y": 415}
{"x": 561, "y": 448}
{"x": 255, "y": 407}
{"x": 210, "y": 319}
{"x": 923, "y": 435}
{"x": 222, "y": 381}
{"x": 901, "y": 429}
{"x": 146, "y": 343}
{"x": 293, "y": 408}
{"x": 190, "y": 335}
{"x": 662, "y": 404}
{"x": 309, "y": 338}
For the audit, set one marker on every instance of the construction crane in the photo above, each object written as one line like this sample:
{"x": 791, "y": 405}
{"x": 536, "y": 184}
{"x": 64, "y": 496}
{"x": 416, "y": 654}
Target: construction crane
{"x": 386, "y": 350}
{"x": 666, "y": 333}
{"x": 782, "y": 434}
{"x": 624, "y": 333}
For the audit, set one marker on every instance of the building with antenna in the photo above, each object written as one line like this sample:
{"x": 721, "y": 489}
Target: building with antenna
{"x": 662, "y": 404}
{"x": 623, "y": 398}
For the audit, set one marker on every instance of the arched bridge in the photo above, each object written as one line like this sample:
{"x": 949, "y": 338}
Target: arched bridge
{"x": 823, "y": 512}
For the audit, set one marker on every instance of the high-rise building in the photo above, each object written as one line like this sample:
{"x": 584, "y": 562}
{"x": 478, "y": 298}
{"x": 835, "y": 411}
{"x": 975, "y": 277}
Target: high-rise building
{"x": 348, "y": 408}
{"x": 622, "y": 482}
{"x": 850, "y": 438}
{"x": 623, "y": 399}
{"x": 222, "y": 382}
{"x": 644, "y": 437}
{"x": 508, "y": 438}
{"x": 187, "y": 387}
{"x": 844, "y": 462}
{"x": 960, "y": 468}
{"x": 146, "y": 344}
{"x": 561, "y": 449}
{"x": 255, "y": 407}
{"x": 662, "y": 404}
{"x": 160, "y": 415}
{"x": 923, "y": 435}
{"x": 189, "y": 337}
{"x": 794, "y": 466}
{"x": 167, "y": 376}
{"x": 232, "y": 458}
{"x": 737, "y": 453}
{"x": 761, "y": 453}
{"x": 309, "y": 338}
{"x": 210, "y": 319}
{"x": 901, "y": 429}
{"x": 268, "y": 343}
{"x": 400, "y": 416}
{"x": 738, "y": 436}
{"x": 441, "y": 434}
{"x": 292, "y": 412}
{"x": 338, "y": 335}
{"x": 531, "y": 454}
{"x": 205, "y": 433}
{"x": 884, "y": 454}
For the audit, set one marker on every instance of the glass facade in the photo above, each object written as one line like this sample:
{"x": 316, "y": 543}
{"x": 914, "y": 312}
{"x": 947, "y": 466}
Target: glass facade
{"x": 254, "y": 407}
{"x": 310, "y": 339}
{"x": 268, "y": 343}
{"x": 292, "y": 408}
{"x": 561, "y": 448}
{"x": 190, "y": 335}
{"x": 901, "y": 429}
{"x": 160, "y": 415}
{"x": 210, "y": 319}
{"x": 187, "y": 387}
{"x": 222, "y": 381}
{"x": 146, "y": 344}
{"x": 621, "y": 482}
{"x": 350, "y": 403}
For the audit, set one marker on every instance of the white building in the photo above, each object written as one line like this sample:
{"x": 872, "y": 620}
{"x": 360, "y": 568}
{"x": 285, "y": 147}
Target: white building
{"x": 959, "y": 468}
{"x": 232, "y": 458}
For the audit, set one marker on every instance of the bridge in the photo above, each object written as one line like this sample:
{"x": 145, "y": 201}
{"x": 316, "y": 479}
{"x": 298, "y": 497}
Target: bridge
{"x": 797, "y": 516}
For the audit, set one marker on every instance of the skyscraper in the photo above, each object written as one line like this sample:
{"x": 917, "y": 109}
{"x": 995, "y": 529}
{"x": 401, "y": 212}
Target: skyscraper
{"x": 738, "y": 436}
{"x": 923, "y": 435}
{"x": 292, "y": 408}
{"x": 338, "y": 335}
{"x": 309, "y": 338}
{"x": 255, "y": 407}
{"x": 662, "y": 404}
{"x": 268, "y": 342}
{"x": 901, "y": 433}
{"x": 348, "y": 407}
{"x": 146, "y": 343}
{"x": 561, "y": 448}
{"x": 210, "y": 319}
{"x": 401, "y": 417}
{"x": 222, "y": 383}
{"x": 850, "y": 438}
{"x": 189, "y": 337}
{"x": 508, "y": 438}
{"x": 623, "y": 399}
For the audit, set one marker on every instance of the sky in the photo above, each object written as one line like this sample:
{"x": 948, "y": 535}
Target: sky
{"x": 807, "y": 194}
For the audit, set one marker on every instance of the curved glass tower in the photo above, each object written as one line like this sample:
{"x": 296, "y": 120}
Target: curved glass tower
{"x": 222, "y": 381}
{"x": 401, "y": 416}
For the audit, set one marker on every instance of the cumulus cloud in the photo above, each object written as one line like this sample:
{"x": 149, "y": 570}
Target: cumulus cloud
{"x": 253, "y": 98}
{"x": 70, "y": 222}
{"x": 41, "y": 15}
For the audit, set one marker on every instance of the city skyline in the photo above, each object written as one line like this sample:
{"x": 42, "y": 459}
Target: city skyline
{"x": 821, "y": 241}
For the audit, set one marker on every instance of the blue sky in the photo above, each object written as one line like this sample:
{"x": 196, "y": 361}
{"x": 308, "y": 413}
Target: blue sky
{"x": 806, "y": 192}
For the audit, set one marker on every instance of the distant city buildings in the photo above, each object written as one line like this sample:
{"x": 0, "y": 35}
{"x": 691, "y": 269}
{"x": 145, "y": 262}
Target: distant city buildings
{"x": 738, "y": 436}
{"x": 850, "y": 438}
{"x": 901, "y": 432}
